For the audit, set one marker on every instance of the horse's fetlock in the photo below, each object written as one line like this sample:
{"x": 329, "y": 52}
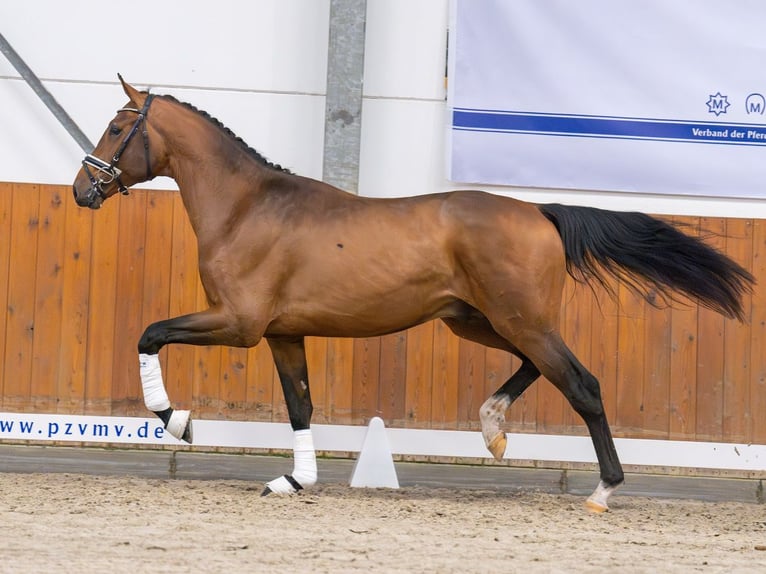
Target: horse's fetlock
{"x": 164, "y": 415}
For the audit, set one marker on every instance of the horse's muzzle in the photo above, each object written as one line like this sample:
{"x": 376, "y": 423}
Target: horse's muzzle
{"x": 92, "y": 198}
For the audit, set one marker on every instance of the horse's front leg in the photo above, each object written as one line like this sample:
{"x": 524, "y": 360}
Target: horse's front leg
{"x": 290, "y": 359}
{"x": 210, "y": 327}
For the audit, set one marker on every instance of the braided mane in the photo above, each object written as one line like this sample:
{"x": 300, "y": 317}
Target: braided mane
{"x": 217, "y": 123}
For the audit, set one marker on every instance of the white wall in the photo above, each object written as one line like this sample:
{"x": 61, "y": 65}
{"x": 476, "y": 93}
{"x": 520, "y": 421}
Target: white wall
{"x": 260, "y": 67}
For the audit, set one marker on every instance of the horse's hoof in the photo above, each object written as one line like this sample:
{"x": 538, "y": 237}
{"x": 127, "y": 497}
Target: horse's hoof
{"x": 180, "y": 425}
{"x": 597, "y": 502}
{"x": 497, "y": 446}
{"x": 285, "y": 484}
{"x": 595, "y": 507}
{"x": 188, "y": 436}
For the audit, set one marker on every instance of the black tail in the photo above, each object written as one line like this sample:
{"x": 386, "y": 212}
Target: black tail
{"x": 648, "y": 255}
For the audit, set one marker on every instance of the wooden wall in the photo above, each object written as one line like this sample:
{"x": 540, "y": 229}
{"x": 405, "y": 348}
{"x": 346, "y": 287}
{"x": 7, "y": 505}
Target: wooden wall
{"x": 79, "y": 287}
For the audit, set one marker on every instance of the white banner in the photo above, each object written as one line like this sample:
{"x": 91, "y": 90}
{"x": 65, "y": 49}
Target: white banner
{"x": 651, "y": 96}
{"x": 47, "y": 428}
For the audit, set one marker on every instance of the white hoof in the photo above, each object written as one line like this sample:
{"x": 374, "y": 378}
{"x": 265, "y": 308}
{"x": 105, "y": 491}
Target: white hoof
{"x": 597, "y": 502}
{"x": 180, "y": 425}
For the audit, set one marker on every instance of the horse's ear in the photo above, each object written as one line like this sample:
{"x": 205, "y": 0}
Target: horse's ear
{"x": 135, "y": 96}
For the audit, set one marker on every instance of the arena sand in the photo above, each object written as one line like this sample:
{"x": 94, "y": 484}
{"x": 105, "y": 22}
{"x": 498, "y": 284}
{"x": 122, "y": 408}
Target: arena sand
{"x": 78, "y": 523}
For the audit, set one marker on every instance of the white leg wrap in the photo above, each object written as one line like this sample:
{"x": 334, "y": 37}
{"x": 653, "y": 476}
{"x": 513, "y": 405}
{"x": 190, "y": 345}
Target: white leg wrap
{"x": 305, "y": 466}
{"x": 305, "y": 469}
{"x": 155, "y": 395}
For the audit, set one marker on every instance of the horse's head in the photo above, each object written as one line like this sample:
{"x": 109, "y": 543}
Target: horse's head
{"x": 123, "y": 156}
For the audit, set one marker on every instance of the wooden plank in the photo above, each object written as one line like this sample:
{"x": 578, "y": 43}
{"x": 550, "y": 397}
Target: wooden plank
{"x": 184, "y": 282}
{"x": 392, "y": 378}
{"x": 758, "y": 336}
{"x": 630, "y": 364}
{"x": 656, "y": 389}
{"x": 70, "y": 384}
{"x": 316, "y": 357}
{"x": 682, "y": 398}
{"x": 20, "y": 321}
{"x": 737, "y": 415}
{"x": 102, "y": 297}
{"x": 340, "y": 379}
{"x": 446, "y": 377}
{"x": 127, "y": 397}
{"x": 6, "y": 208}
{"x": 48, "y": 299}
{"x": 364, "y": 397}
{"x": 604, "y": 332}
{"x": 233, "y": 384}
{"x": 710, "y": 356}
{"x": 262, "y": 395}
{"x": 470, "y": 392}
{"x": 206, "y": 397}
{"x": 419, "y": 376}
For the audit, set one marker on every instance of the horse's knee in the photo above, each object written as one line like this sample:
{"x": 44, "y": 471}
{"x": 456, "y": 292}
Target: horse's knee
{"x": 152, "y": 340}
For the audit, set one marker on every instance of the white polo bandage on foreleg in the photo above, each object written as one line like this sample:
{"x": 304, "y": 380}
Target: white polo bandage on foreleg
{"x": 155, "y": 395}
{"x": 305, "y": 469}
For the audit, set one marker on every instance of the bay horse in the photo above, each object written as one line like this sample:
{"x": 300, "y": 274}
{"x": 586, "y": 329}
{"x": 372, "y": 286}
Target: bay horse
{"x": 283, "y": 257}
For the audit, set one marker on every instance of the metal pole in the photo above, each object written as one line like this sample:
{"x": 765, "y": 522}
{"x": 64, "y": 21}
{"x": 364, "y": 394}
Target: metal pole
{"x": 46, "y": 97}
{"x": 343, "y": 109}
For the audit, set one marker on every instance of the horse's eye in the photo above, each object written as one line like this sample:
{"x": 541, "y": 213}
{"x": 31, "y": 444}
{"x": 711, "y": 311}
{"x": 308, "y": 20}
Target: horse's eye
{"x": 115, "y": 130}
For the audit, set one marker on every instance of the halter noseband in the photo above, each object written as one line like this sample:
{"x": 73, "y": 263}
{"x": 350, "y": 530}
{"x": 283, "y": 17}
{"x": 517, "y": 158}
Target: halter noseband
{"x": 110, "y": 169}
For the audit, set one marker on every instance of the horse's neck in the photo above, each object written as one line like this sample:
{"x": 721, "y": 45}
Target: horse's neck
{"x": 212, "y": 199}
{"x": 213, "y": 187}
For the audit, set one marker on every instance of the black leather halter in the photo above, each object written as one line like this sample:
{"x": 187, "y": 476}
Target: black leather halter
{"x": 107, "y": 172}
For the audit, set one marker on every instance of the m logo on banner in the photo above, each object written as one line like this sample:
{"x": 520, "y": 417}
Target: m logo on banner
{"x": 755, "y": 103}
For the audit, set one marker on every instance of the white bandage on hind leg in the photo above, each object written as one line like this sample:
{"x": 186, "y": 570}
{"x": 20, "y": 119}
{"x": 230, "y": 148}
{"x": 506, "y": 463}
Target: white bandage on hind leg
{"x": 155, "y": 395}
{"x": 305, "y": 467}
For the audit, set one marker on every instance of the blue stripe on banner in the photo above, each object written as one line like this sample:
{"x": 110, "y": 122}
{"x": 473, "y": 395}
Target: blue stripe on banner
{"x": 608, "y": 127}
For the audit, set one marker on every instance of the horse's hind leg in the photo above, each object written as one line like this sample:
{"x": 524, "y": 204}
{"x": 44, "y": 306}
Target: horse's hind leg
{"x": 557, "y": 363}
{"x": 290, "y": 359}
{"x": 476, "y": 327}
{"x": 492, "y": 412}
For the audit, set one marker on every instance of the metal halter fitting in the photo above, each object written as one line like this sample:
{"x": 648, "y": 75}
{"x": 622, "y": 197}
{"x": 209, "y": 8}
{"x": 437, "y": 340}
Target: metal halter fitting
{"x": 107, "y": 172}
